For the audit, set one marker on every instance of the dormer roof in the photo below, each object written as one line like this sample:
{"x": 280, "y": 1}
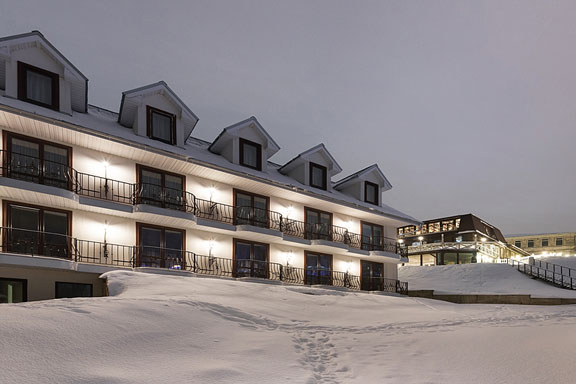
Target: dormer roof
{"x": 131, "y": 99}
{"x": 72, "y": 74}
{"x": 228, "y": 133}
{"x": 374, "y": 169}
{"x": 304, "y": 157}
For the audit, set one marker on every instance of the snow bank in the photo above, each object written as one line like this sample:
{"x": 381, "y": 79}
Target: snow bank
{"x": 161, "y": 329}
{"x": 478, "y": 279}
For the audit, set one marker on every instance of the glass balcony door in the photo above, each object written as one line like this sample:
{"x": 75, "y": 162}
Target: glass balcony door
{"x": 160, "y": 247}
{"x": 372, "y": 237}
{"x": 37, "y": 231}
{"x": 38, "y": 162}
{"x": 372, "y": 276}
{"x": 161, "y": 189}
{"x": 318, "y": 225}
{"x": 250, "y": 259}
{"x": 251, "y": 209}
{"x": 318, "y": 268}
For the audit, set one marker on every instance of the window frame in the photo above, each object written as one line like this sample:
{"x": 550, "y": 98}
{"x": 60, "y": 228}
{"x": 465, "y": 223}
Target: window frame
{"x": 72, "y": 282}
{"x": 235, "y": 241}
{"x": 547, "y": 241}
{"x": 7, "y": 223}
{"x": 24, "y": 287}
{"x": 330, "y": 270}
{"x": 252, "y": 196}
{"x": 7, "y": 138}
{"x": 319, "y": 212}
{"x": 23, "y": 69}
{"x": 518, "y": 243}
{"x": 163, "y": 174}
{"x": 162, "y": 262}
{"x": 376, "y": 195}
{"x": 242, "y": 142}
{"x": 531, "y": 241}
{"x": 324, "y": 170}
{"x": 559, "y": 240}
{"x": 372, "y": 246}
{"x": 149, "y": 129}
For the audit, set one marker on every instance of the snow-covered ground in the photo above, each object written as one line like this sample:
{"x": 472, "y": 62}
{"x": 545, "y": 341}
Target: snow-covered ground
{"x": 160, "y": 329}
{"x": 478, "y": 279}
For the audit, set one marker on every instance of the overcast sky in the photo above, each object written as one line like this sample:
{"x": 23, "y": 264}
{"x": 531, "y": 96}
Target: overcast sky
{"x": 467, "y": 106}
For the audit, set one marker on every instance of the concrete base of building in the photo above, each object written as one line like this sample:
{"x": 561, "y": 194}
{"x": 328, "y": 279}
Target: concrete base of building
{"x": 491, "y": 299}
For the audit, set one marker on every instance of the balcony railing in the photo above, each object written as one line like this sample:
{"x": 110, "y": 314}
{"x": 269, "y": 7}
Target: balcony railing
{"x": 59, "y": 175}
{"x": 37, "y": 243}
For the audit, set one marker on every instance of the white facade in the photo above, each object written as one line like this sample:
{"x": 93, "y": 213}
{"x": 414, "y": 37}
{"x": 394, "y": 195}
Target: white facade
{"x": 108, "y": 198}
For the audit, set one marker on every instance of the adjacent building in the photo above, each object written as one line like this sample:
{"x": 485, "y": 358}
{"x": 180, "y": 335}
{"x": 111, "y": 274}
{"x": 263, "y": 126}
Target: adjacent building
{"x": 85, "y": 190}
{"x": 461, "y": 239}
{"x": 546, "y": 244}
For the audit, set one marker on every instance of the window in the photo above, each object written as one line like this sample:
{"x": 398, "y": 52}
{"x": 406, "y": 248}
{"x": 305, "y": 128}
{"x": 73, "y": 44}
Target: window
{"x": 250, "y": 154}
{"x": 559, "y": 241}
{"x": 318, "y": 268}
{"x": 160, "y": 125}
{"x": 318, "y": 175}
{"x": 38, "y": 161}
{"x": 518, "y": 243}
{"x": 372, "y": 237}
{"x": 544, "y": 242}
{"x": 434, "y": 227}
{"x": 371, "y": 192}
{"x": 160, "y": 247}
{"x": 250, "y": 259}
{"x": 161, "y": 189}
{"x": 372, "y": 276}
{"x": 38, "y": 86}
{"x": 13, "y": 290}
{"x": 318, "y": 225}
{"x": 37, "y": 231}
{"x": 251, "y": 209}
{"x": 66, "y": 290}
{"x": 530, "y": 243}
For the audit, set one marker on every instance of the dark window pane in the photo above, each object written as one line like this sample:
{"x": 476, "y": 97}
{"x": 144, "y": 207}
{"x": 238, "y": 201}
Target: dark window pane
{"x": 38, "y": 87}
{"x": 12, "y": 291}
{"x": 243, "y": 251}
{"x": 317, "y": 176}
{"x": 161, "y": 127}
{"x": 174, "y": 245}
{"x": 250, "y": 154}
{"x": 64, "y": 290}
{"x": 25, "y": 160}
{"x": 24, "y": 240}
{"x": 150, "y": 247}
{"x": 56, "y": 229}
{"x": 371, "y": 192}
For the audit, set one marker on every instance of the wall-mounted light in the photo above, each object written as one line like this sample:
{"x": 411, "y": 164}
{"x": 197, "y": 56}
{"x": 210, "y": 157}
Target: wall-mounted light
{"x": 400, "y": 241}
{"x": 483, "y": 239}
{"x": 288, "y": 211}
{"x": 348, "y": 266}
{"x": 212, "y": 192}
{"x": 420, "y": 238}
{"x": 211, "y": 245}
{"x": 105, "y": 246}
{"x": 105, "y": 164}
{"x": 288, "y": 256}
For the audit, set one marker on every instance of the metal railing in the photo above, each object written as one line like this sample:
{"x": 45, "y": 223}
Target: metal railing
{"x": 541, "y": 271}
{"x": 32, "y": 169}
{"x": 36, "y": 243}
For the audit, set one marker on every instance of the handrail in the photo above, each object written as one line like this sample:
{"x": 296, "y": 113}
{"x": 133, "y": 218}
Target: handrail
{"x": 547, "y": 275}
{"x": 98, "y": 187}
{"x": 29, "y": 242}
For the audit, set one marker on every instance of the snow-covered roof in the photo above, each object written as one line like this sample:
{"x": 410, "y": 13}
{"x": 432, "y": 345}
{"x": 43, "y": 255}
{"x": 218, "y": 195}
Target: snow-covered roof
{"x": 334, "y": 168}
{"x": 373, "y": 169}
{"x": 271, "y": 147}
{"x": 131, "y": 98}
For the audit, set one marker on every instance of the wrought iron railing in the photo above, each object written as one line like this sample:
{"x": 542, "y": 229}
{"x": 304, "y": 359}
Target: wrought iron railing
{"x": 37, "y": 243}
{"x": 32, "y": 169}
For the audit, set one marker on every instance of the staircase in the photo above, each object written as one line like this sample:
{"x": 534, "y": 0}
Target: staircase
{"x": 554, "y": 274}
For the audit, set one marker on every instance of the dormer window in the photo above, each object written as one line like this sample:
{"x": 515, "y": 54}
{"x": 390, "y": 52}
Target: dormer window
{"x": 161, "y": 125}
{"x": 250, "y": 154}
{"x": 38, "y": 86}
{"x": 318, "y": 175}
{"x": 371, "y": 192}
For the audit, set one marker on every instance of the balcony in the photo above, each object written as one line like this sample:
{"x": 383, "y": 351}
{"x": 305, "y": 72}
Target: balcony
{"x": 27, "y": 168}
{"x": 36, "y": 243}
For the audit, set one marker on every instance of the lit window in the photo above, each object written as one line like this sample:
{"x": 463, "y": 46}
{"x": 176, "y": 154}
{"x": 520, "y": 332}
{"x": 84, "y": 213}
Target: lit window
{"x": 38, "y": 86}
{"x": 318, "y": 175}
{"x": 161, "y": 125}
{"x": 457, "y": 223}
{"x": 559, "y": 241}
{"x": 371, "y": 192}
{"x": 544, "y": 242}
{"x": 518, "y": 243}
{"x": 530, "y": 243}
{"x": 250, "y": 154}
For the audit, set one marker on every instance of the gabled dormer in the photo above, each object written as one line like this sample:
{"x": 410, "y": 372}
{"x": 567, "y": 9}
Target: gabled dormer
{"x": 33, "y": 70}
{"x": 365, "y": 185}
{"x": 155, "y": 111}
{"x": 246, "y": 143}
{"x": 314, "y": 167}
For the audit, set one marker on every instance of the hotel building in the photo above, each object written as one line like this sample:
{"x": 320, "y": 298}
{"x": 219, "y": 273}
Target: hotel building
{"x": 546, "y": 244}
{"x": 85, "y": 190}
